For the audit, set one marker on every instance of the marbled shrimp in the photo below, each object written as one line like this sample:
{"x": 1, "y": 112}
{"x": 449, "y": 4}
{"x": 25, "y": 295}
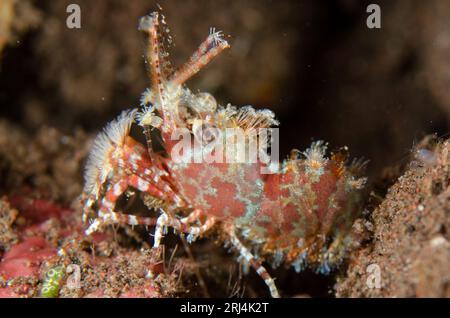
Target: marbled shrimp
{"x": 299, "y": 214}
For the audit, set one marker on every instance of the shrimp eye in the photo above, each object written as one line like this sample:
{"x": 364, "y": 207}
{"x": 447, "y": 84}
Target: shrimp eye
{"x": 205, "y": 133}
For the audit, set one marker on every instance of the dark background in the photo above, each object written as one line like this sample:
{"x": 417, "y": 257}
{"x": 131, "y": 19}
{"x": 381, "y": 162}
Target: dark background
{"x": 314, "y": 63}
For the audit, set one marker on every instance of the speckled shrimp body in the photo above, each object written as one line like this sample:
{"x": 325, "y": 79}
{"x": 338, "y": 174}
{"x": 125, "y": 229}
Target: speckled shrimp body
{"x": 299, "y": 214}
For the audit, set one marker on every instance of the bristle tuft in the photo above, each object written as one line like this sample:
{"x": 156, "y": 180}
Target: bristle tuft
{"x": 113, "y": 135}
{"x": 217, "y": 37}
{"x": 315, "y": 155}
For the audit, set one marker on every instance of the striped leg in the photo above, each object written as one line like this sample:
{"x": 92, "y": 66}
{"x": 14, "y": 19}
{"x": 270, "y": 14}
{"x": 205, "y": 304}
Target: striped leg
{"x": 192, "y": 217}
{"x": 94, "y": 226}
{"x": 262, "y": 272}
{"x": 207, "y": 51}
{"x": 149, "y": 25}
{"x": 193, "y": 231}
{"x": 146, "y": 186}
{"x": 161, "y": 226}
{"x": 87, "y": 208}
{"x": 164, "y": 221}
{"x": 146, "y": 177}
{"x": 141, "y": 185}
{"x": 112, "y": 217}
{"x": 106, "y": 214}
